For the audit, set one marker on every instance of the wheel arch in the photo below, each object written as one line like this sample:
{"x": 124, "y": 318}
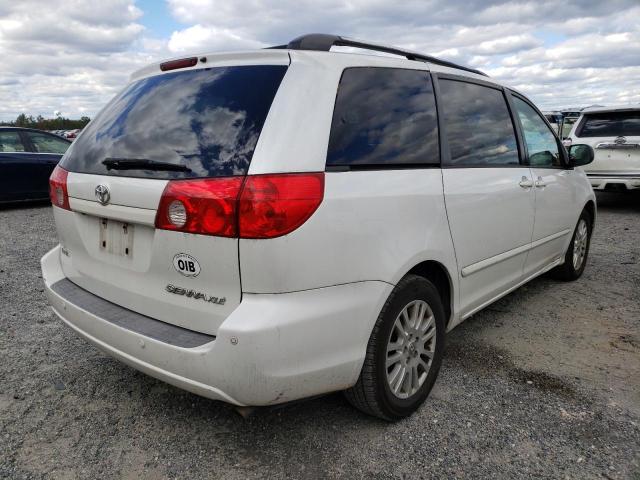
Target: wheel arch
{"x": 590, "y": 208}
{"x": 437, "y": 274}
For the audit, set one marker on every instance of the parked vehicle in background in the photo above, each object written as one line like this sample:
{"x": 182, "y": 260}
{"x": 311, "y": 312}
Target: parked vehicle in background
{"x": 614, "y": 134}
{"x": 72, "y": 134}
{"x": 253, "y": 228}
{"x": 27, "y": 158}
{"x": 569, "y": 118}
{"x": 555, "y": 119}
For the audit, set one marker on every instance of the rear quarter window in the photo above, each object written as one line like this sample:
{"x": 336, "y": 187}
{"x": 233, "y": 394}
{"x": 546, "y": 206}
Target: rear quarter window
{"x": 208, "y": 120}
{"x": 610, "y": 124}
{"x": 384, "y": 117}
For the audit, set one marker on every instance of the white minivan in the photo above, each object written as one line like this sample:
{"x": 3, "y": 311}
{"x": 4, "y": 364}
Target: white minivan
{"x": 266, "y": 226}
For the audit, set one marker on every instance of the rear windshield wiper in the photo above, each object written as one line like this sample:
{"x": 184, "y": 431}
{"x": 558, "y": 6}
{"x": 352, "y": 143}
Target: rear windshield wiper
{"x": 143, "y": 164}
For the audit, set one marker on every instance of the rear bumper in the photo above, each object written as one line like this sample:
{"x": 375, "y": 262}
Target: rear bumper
{"x": 624, "y": 181}
{"x": 271, "y": 349}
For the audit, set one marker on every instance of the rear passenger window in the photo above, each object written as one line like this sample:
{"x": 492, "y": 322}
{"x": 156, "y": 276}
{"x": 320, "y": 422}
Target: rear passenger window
{"x": 384, "y": 117}
{"x": 478, "y": 125}
{"x": 542, "y": 145}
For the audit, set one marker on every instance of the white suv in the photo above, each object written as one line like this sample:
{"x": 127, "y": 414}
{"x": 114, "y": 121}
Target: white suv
{"x": 265, "y": 226}
{"x": 614, "y": 133}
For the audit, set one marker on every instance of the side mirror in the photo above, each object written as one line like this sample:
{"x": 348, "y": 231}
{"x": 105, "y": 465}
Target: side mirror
{"x": 580, "y": 155}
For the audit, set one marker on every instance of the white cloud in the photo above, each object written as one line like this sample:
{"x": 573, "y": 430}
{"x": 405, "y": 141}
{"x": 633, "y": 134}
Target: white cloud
{"x": 508, "y": 44}
{"x": 69, "y": 56}
{"x": 73, "y": 55}
{"x": 199, "y": 38}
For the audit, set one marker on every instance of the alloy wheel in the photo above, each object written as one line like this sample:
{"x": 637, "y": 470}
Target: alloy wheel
{"x": 410, "y": 349}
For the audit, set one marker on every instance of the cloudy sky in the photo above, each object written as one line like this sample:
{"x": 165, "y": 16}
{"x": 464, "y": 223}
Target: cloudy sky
{"x": 72, "y": 56}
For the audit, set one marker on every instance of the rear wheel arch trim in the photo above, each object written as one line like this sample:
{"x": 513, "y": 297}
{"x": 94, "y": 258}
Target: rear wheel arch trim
{"x": 590, "y": 208}
{"x": 440, "y": 276}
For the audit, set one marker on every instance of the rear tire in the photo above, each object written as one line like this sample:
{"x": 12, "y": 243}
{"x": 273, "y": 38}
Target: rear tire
{"x": 404, "y": 352}
{"x": 575, "y": 260}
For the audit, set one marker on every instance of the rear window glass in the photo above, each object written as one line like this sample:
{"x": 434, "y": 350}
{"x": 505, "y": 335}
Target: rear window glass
{"x": 384, "y": 117}
{"x": 613, "y": 124}
{"x": 208, "y": 120}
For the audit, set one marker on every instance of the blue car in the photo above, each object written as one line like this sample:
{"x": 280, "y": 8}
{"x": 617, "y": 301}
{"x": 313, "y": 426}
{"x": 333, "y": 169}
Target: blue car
{"x": 27, "y": 158}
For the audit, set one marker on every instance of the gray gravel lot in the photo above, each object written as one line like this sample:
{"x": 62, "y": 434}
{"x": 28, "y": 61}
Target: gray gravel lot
{"x": 544, "y": 383}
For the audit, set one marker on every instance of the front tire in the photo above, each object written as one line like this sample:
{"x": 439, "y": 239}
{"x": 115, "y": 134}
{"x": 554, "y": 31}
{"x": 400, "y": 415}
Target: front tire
{"x": 575, "y": 260}
{"x": 404, "y": 352}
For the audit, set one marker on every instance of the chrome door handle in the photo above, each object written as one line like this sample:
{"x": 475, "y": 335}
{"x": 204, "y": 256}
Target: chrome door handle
{"x": 540, "y": 183}
{"x": 525, "y": 182}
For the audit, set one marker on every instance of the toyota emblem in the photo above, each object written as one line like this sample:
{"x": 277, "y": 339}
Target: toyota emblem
{"x": 102, "y": 194}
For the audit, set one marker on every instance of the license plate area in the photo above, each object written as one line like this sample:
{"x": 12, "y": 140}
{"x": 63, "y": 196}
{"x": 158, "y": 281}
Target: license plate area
{"x": 116, "y": 237}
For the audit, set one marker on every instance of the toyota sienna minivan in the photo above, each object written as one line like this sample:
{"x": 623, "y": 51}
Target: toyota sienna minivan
{"x": 265, "y": 226}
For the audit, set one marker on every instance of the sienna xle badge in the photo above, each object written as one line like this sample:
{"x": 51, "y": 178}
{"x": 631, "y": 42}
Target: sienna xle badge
{"x": 265, "y": 226}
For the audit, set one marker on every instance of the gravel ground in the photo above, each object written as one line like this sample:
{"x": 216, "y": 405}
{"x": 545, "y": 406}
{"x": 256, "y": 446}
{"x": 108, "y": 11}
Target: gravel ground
{"x": 544, "y": 383}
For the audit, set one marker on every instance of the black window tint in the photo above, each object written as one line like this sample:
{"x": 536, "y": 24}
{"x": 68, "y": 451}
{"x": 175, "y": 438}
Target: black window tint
{"x": 542, "y": 145}
{"x": 611, "y": 124}
{"x": 208, "y": 120}
{"x": 384, "y": 116}
{"x": 478, "y": 125}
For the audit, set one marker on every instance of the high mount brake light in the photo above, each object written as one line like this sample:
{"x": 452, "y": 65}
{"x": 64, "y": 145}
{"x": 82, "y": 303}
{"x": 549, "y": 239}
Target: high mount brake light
{"x": 256, "y": 206}
{"x": 58, "y": 188}
{"x": 176, "y": 64}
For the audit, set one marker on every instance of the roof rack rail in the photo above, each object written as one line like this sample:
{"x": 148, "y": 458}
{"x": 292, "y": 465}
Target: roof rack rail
{"x": 323, "y": 42}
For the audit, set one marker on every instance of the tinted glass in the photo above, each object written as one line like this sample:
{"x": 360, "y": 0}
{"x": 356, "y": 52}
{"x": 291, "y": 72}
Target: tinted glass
{"x": 541, "y": 143}
{"x": 208, "y": 120}
{"x": 384, "y": 116}
{"x": 478, "y": 124}
{"x": 613, "y": 124}
{"x": 10, "y": 142}
{"x": 44, "y": 143}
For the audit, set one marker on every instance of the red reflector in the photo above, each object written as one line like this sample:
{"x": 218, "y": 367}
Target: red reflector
{"x": 58, "y": 188}
{"x": 274, "y": 205}
{"x": 175, "y": 64}
{"x": 206, "y": 206}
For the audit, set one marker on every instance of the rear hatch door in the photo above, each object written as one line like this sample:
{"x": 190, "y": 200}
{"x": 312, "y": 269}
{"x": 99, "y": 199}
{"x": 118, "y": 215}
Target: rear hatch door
{"x": 206, "y": 122}
{"x": 615, "y": 138}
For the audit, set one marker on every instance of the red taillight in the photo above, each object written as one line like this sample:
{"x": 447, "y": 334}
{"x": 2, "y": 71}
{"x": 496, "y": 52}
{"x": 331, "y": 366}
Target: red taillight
{"x": 206, "y": 206}
{"x": 261, "y": 206}
{"x": 274, "y": 205}
{"x": 58, "y": 188}
{"x": 175, "y": 64}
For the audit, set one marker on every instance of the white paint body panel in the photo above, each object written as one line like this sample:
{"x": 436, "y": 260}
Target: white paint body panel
{"x": 286, "y": 345}
{"x": 302, "y": 306}
{"x": 491, "y": 219}
{"x": 554, "y": 223}
{"x": 370, "y": 226}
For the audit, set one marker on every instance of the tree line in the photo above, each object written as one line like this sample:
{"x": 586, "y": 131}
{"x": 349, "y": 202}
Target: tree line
{"x": 41, "y": 123}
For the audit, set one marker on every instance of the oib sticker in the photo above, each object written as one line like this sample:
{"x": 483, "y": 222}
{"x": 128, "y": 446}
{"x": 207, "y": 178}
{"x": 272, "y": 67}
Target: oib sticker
{"x": 186, "y": 265}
